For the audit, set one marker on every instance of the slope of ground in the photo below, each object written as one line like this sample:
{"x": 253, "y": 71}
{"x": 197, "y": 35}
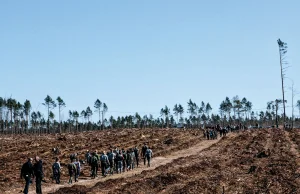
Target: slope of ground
{"x": 16, "y": 149}
{"x": 260, "y": 161}
{"x": 253, "y": 161}
{"x": 156, "y": 162}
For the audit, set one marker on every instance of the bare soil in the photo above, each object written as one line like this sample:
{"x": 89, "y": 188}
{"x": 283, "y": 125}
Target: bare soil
{"x": 16, "y": 150}
{"x": 254, "y": 161}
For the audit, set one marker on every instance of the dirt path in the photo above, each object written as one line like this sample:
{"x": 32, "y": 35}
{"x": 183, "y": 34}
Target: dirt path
{"x": 156, "y": 162}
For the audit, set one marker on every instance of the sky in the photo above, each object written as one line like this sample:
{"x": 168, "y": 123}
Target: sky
{"x": 138, "y": 56}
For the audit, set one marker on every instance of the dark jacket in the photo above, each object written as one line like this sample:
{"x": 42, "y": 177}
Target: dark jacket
{"x": 136, "y": 152}
{"x": 144, "y": 149}
{"x": 27, "y": 170}
{"x": 38, "y": 169}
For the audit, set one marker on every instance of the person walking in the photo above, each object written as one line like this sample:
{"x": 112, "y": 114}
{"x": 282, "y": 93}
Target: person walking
{"x": 56, "y": 171}
{"x": 136, "y": 154}
{"x": 144, "y": 149}
{"x": 94, "y": 164}
{"x": 77, "y": 172}
{"x": 39, "y": 174}
{"x": 104, "y": 163}
{"x": 116, "y": 152}
{"x": 27, "y": 173}
{"x": 133, "y": 159}
{"x": 111, "y": 157}
{"x": 128, "y": 159}
{"x": 120, "y": 159}
{"x": 148, "y": 155}
{"x": 72, "y": 171}
{"x": 124, "y": 159}
{"x": 87, "y": 156}
{"x": 98, "y": 161}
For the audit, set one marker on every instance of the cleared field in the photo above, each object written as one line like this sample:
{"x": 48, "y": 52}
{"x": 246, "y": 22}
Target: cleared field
{"x": 18, "y": 148}
{"x": 260, "y": 161}
{"x": 253, "y": 161}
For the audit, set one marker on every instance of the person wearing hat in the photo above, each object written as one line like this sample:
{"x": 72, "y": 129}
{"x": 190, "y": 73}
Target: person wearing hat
{"x": 27, "y": 174}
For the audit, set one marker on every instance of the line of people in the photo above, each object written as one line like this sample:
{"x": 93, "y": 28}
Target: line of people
{"x": 212, "y": 132}
{"x": 114, "y": 161}
{"x": 117, "y": 160}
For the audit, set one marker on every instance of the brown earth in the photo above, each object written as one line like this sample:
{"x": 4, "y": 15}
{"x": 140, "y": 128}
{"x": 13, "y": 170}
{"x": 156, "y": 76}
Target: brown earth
{"x": 15, "y": 149}
{"x": 258, "y": 161}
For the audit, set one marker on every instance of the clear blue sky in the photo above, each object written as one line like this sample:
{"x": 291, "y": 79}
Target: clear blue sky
{"x": 138, "y": 56}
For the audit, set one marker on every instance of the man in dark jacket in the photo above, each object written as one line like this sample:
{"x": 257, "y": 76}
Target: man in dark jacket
{"x": 38, "y": 172}
{"x": 27, "y": 173}
{"x": 136, "y": 154}
{"x": 94, "y": 164}
{"x": 144, "y": 149}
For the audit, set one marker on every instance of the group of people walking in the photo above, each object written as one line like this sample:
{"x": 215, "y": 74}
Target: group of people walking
{"x": 117, "y": 160}
{"x": 212, "y": 132}
{"x": 114, "y": 161}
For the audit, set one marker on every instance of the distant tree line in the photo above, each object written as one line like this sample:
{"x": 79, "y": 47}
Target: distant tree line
{"x": 16, "y": 117}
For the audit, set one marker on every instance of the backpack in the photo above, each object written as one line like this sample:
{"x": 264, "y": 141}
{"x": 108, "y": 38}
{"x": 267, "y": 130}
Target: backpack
{"x": 148, "y": 153}
{"x": 72, "y": 168}
{"x": 89, "y": 157}
{"x": 136, "y": 152}
{"x": 111, "y": 156}
{"x": 103, "y": 158}
{"x": 94, "y": 160}
{"x": 120, "y": 157}
{"x": 144, "y": 149}
{"x": 55, "y": 168}
{"x": 77, "y": 166}
{"x": 128, "y": 157}
{"x": 132, "y": 156}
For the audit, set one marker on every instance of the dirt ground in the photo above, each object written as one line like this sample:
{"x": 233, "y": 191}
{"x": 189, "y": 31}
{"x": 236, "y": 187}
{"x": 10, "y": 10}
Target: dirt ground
{"x": 16, "y": 149}
{"x": 253, "y": 161}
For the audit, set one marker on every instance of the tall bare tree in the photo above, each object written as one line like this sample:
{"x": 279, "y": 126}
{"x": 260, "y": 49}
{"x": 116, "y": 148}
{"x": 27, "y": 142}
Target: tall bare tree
{"x": 277, "y": 103}
{"x": 282, "y": 54}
